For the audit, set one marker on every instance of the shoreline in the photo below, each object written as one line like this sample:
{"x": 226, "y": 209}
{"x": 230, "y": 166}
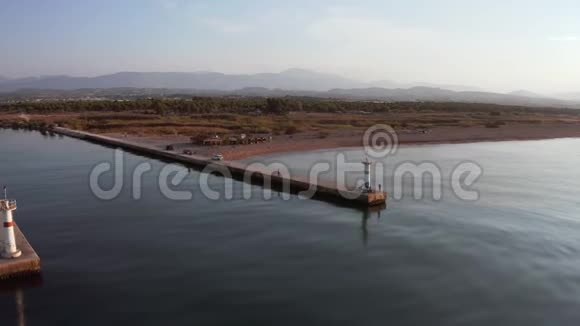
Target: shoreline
{"x": 404, "y": 145}
{"x": 349, "y": 140}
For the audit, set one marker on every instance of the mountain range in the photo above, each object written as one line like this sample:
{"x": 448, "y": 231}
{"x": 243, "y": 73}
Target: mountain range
{"x": 293, "y": 82}
{"x": 293, "y": 79}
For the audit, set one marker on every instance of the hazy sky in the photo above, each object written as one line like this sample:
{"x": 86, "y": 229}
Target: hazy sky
{"x": 495, "y": 44}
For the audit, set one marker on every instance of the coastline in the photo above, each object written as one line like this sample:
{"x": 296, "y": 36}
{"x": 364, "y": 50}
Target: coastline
{"x": 310, "y": 142}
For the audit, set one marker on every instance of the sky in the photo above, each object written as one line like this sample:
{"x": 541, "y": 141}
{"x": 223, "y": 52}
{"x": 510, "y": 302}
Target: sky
{"x": 498, "y": 45}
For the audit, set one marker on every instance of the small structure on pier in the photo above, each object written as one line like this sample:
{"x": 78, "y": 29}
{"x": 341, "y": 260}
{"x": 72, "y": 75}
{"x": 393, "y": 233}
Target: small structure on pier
{"x": 372, "y": 196}
{"x": 8, "y": 247}
{"x": 17, "y": 258}
{"x": 367, "y": 185}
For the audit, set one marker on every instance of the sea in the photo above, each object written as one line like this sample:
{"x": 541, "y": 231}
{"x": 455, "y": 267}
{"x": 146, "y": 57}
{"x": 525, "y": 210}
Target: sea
{"x": 509, "y": 256}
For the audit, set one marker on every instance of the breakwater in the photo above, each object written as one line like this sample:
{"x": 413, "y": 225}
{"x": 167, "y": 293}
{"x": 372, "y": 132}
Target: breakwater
{"x": 241, "y": 172}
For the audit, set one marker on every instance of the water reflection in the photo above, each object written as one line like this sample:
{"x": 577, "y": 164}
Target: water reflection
{"x": 368, "y": 213}
{"x": 17, "y": 287}
{"x": 20, "y": 307}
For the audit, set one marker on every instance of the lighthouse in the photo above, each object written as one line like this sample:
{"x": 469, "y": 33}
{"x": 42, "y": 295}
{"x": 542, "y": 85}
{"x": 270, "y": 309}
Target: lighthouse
{"x": 367, "y": 185}
{"x": 7, "y": 239}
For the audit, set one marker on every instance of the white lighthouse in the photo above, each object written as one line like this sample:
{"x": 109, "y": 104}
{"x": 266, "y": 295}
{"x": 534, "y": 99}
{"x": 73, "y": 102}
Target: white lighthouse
{"x": 367, "y": 185}
{"x": 7, "y": 239}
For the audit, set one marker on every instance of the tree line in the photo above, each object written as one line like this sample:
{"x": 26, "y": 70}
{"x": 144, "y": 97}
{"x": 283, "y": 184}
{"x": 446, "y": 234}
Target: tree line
{"x": 247, "y": 105}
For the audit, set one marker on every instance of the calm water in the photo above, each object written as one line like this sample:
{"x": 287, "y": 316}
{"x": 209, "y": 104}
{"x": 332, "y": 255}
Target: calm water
{"x": 511, "y": 258}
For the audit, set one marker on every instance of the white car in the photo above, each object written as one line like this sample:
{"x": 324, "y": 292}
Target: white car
{"x": 218, "y": 157}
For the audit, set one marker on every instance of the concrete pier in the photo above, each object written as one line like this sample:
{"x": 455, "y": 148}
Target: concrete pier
{"x": 28, "y": 264}
{"x": 239, "y": 171}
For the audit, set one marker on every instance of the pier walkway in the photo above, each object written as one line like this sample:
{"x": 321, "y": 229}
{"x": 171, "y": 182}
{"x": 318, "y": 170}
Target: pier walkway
{"x": 240, "y": 171}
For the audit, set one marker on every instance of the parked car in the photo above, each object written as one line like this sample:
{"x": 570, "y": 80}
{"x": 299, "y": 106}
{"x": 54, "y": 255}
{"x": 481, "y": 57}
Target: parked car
{"x": 217, "y": 157}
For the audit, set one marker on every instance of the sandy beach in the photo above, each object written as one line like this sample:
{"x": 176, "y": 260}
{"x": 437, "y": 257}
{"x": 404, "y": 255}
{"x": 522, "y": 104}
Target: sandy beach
{"x": 312, "y": 141}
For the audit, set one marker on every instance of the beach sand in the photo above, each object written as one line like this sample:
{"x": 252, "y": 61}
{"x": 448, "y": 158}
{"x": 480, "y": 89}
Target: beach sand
{"x": 312, "y": 141}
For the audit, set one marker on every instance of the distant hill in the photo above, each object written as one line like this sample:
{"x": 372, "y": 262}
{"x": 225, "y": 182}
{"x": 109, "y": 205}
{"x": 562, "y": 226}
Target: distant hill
{"x": 293, "y": 79}
{"x": 524, "y": 93}
{"x": 443, "y": 95}
{"x": 392, "y": 84}
{"x": 569, "y": 96}
{"x": 292, "y": 82}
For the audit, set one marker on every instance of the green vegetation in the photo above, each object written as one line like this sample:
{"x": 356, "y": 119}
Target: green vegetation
{"x": 247, "y": 105}
{"x": 278, "y": 116}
